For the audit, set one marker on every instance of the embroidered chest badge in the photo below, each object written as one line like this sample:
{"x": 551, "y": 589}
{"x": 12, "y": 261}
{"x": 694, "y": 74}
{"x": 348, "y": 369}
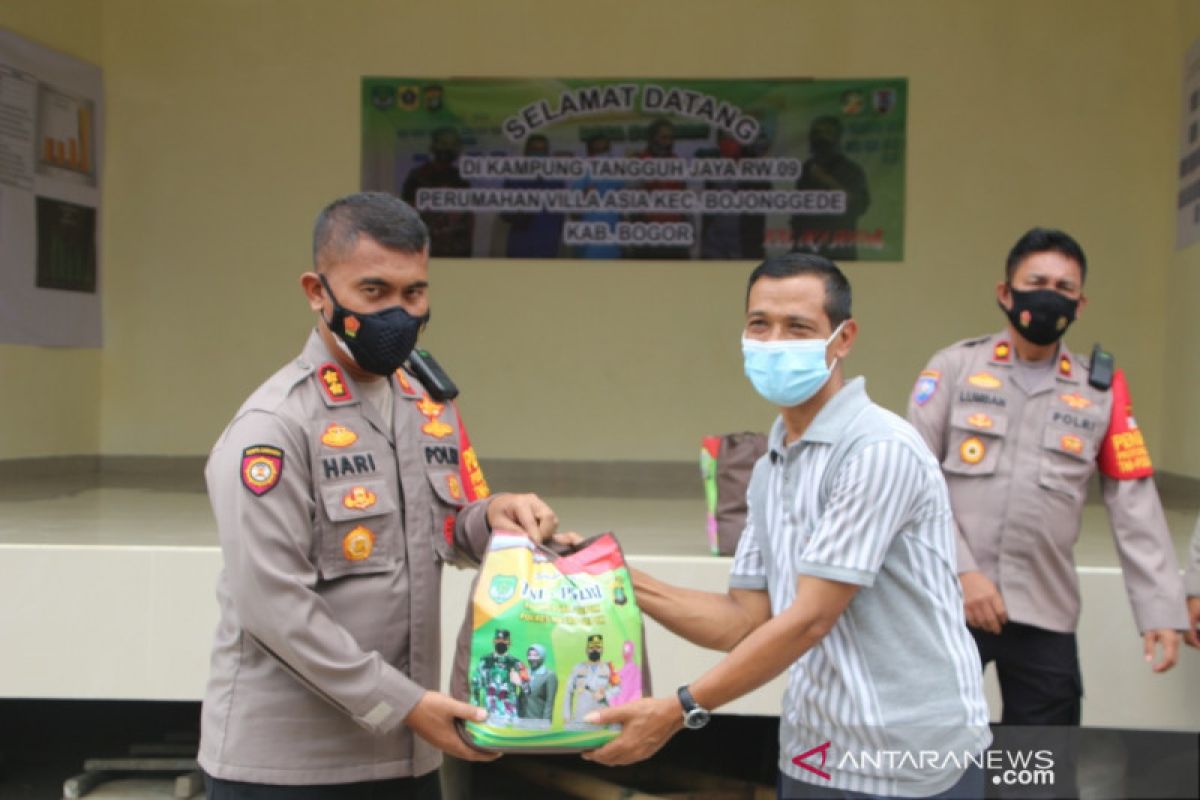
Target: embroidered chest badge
{"x": 1075, "y": 400}
{"x": 972, "y": 450}
{"x": 359, "y": 498}
{"x": 1071, "y": 443}
{"x": 338, "y": 435}
{"x": 434, "y": 427}
{"x": 980, "y": 420}
{"x": 985, "y": 380}
{"x": 358, "y": 544}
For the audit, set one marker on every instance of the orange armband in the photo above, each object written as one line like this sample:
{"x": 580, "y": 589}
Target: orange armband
{"x": 1123, "y": 455}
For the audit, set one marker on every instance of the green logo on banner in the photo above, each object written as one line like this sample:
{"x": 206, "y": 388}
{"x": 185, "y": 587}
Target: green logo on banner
{"x": 503, "y": 588}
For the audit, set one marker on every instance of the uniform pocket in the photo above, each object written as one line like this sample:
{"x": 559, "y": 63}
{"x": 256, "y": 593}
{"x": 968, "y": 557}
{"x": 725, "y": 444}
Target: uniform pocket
{"x": 1068, "y": 460}
{"x": 360, "y": 532}
{"x": 448, "y": 499}
{"x": 976, "y": 439}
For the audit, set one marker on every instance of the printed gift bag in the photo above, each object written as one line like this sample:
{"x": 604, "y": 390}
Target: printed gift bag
{"x": 549, "y": 638}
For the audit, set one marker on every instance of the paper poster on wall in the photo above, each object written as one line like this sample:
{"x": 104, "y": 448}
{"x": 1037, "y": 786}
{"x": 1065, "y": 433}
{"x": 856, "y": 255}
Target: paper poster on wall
{"x": 1187, "y": 218}
{"x": 643, "y": 168}
{"x": 51, "y": 124}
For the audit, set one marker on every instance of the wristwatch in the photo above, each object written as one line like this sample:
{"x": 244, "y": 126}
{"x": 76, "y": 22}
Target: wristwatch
{"x": 694, "y": 717}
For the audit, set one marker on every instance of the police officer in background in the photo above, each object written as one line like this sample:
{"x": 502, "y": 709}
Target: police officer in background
{"x": 1019, "y": 424}
{"x": 1192, "y": 581}
{"x": 340, "y": 488}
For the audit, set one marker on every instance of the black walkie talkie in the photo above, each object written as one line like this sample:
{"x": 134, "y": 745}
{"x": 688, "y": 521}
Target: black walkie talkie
{"x": 1100, "y": 374}
{"x": 431, "y": 375}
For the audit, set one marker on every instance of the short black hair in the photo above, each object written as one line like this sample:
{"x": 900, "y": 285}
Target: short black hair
{"x": 658, "y": 124}
{"x": 1045, "y": 240}
{"x": 384, "y": 217}
{"x": 537, "y": 137}
{"x": 837, "y": 288}
{"x": 828, "y": 120}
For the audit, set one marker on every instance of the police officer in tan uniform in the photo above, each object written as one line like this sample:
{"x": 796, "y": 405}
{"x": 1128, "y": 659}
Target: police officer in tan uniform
{"x": 1019, "y": 425}
{"x": 1192, "y": 581}
{"x": 592, "y": 683}
{"x": 340, "y": 488}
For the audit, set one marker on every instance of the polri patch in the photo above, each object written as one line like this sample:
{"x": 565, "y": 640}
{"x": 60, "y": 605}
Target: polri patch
{"x": 927, "y": 384}
{"x": 262, "y": 466}
{"x": 1002, "y": 352}
{"x": 1064, "y": 366}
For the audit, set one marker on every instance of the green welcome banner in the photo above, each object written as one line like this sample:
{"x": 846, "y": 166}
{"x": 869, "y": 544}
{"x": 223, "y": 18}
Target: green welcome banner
{"x": 643, "y": 168}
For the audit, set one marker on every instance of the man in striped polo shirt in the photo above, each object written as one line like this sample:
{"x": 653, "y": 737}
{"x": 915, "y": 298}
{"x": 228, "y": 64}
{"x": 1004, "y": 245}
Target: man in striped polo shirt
{"x": 844, "y": 576}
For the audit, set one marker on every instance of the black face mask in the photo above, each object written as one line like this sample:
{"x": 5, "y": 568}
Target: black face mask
{"x": 1042, "y": 316}
{"x": 379, "y": 342}
{"x": 501, "y": 648}
{"x": 594, "y": 655}
{"x": 822, "y": 148}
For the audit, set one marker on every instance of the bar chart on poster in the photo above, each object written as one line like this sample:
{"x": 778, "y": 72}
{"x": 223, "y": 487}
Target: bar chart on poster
{"x": 51, "y": 132}
{"x": 65, "y": 127}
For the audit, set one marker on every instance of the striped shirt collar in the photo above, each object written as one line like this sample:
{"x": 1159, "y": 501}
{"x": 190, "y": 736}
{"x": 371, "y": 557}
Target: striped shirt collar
{"x": 830, "y": 421}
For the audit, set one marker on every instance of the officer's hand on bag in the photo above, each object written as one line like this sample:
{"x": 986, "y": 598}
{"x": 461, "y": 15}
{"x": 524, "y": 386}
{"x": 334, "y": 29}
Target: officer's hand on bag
{"x": 529, "y": 514}
{"x": 646, "y": 725}
{"x": 982, "y": 602}
{"x": 433, "y": 719}
{"x": 1170, "y": 647}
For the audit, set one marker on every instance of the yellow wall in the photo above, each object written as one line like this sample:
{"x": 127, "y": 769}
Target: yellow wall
{"x": 232, "y": 121}
{"x": 50, "y": 405}
{"x": 1181, "y": 444}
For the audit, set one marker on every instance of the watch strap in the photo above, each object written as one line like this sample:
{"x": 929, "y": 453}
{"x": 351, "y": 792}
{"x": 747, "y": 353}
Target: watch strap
{"x": 686, "y": 700}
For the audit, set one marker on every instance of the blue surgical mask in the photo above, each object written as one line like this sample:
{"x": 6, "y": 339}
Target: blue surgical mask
{"x": 788, "y": 372}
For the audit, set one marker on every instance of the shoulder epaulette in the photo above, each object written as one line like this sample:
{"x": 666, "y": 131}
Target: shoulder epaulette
{"x": 272, "y": 393}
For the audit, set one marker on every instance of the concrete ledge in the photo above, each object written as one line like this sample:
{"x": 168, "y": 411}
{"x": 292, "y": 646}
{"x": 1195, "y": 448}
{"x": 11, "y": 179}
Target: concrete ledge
{"x": 627, "y": 479}
{"x": 15, "y": 469}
